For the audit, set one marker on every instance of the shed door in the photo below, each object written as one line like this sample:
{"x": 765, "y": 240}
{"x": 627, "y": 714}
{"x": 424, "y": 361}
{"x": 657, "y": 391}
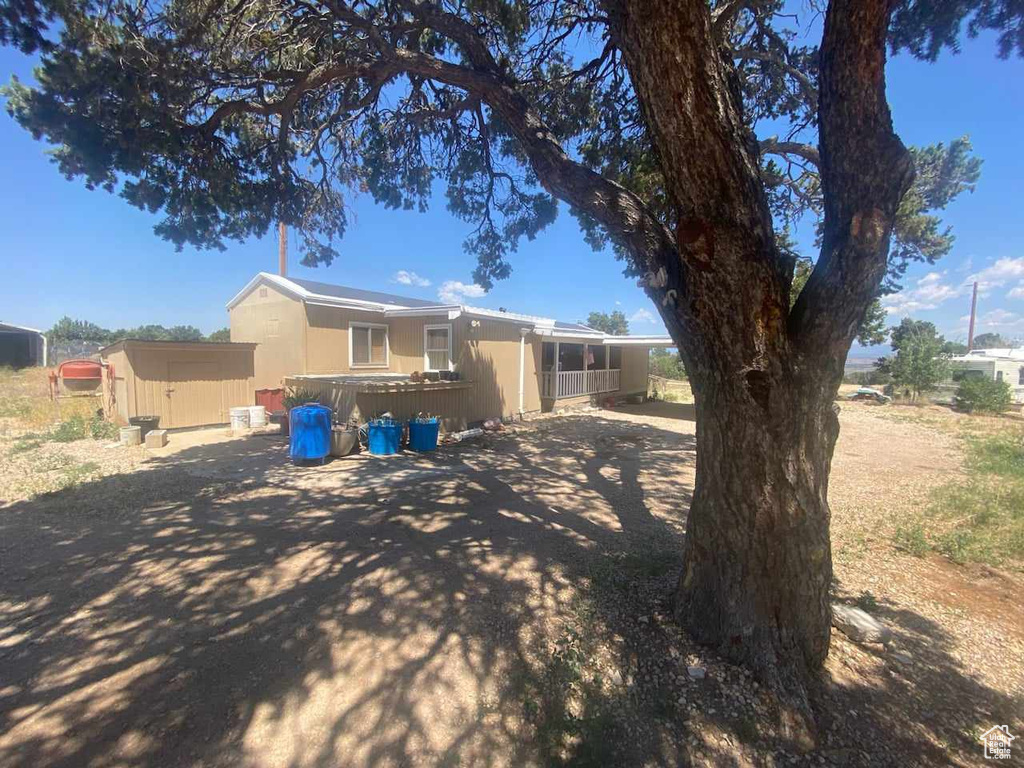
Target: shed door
{"x": 194, "y": 393}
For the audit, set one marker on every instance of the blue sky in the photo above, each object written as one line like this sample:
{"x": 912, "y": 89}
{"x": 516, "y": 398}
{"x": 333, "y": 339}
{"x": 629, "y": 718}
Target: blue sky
{"x": 91, "y": 256}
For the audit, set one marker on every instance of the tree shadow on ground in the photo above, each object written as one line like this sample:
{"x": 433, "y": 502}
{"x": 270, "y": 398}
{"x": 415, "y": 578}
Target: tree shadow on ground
{"x": 505, "y": 602}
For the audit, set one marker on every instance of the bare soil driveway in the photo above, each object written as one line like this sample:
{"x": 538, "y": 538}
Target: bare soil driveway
{"x": 504, "y": 602}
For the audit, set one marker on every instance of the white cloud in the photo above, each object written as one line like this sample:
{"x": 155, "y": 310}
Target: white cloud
{"x": 999, "y": 274}
{"x": 928, "y": 293}
{"x": 1018, "y": 292}
{"x": 642, "y": 316}
{"x": 618, "y": 303}
{"x": 1000, "y": 318}
{"x": 454, "y": 291}
{"x": 409, "y": 278}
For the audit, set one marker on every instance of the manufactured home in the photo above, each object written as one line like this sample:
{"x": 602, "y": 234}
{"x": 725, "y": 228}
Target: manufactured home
{"x": 357, "y": 350}
{"x": 1004, "y": 364}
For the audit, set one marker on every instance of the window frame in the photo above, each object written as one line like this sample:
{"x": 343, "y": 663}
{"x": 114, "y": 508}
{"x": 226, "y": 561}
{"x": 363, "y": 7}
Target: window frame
{"x": 352, "y": 326}
{"x": 426, "y": 350}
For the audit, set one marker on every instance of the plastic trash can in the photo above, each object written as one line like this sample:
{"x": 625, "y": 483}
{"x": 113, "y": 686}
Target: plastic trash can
{"x": 310, "y": 428}
{"x": 145, "y": 423}
{"x": 384, "y": 437}
{"x": 423, "y": 434}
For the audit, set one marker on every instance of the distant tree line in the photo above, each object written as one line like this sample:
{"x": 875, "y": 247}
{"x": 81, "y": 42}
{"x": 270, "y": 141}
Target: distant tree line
{"x": 666, "y": 364}
{"x": 66, "y": 329}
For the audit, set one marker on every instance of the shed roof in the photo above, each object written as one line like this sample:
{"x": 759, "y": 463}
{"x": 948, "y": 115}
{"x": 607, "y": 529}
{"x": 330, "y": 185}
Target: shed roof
{"x": 225, "y": 345}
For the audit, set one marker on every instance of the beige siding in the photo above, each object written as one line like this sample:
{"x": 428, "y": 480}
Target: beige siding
{"x": 185, "y": 385}
{"x": 489, "y": 357}
{"x": 634, "y": 369}
{"x": 328, "y": 339}
{"x": 277, "y": 323}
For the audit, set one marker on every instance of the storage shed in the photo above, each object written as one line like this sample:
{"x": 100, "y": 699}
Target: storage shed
{"x": 21, "y": 347}
{"x": 186, "y": 384}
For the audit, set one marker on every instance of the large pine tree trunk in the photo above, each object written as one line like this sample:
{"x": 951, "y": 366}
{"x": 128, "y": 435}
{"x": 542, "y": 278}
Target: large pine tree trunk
{"x": 757, "y": 563}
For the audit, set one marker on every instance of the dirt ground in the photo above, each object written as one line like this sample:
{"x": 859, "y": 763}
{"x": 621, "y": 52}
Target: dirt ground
{"x": 502, "y": 602}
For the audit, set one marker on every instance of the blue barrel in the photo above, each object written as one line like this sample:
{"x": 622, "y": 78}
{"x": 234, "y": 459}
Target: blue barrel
{"x": 423, "y": 434}
{"x": 384, "y": 437}
{"x": 310, "y": 427}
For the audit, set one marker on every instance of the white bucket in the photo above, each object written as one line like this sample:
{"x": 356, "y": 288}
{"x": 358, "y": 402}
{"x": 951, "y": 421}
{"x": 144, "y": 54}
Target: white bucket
{"x": 240, "y": 417}
{"x": 257, "y": 416}
{"x": 131, "y": 435}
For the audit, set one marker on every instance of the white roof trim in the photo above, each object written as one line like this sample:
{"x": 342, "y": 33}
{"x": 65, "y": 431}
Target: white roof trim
{"x": 20, "y": 328}
{"x": 434, "y": 311}
{"x": 296, "y": 290}
{"x": 646, "y": 341}
{"x": 540, "y": 322}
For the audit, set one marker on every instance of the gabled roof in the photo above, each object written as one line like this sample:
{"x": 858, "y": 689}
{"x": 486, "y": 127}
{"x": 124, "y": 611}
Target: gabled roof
{"x": 392, "y": 305}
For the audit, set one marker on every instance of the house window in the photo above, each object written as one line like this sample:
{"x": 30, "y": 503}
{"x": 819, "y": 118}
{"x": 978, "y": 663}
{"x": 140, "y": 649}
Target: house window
{"x": 368, "y": 345}
{"x": 615, "y": 357}
{"x": 1020, "y": 377}
{"x": 999, "y": 375}
{"x": 437, "y": 348}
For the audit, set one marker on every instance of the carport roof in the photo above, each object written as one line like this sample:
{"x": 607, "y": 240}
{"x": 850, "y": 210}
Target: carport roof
{"x": 11, "y": 328}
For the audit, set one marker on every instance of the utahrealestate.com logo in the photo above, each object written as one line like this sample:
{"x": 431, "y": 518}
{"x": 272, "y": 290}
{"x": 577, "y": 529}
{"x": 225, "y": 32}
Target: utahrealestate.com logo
{"x": 997, "y": 740}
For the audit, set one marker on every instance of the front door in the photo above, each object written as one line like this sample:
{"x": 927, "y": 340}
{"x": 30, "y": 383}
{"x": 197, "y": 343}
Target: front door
{"x": 194, "y": 394}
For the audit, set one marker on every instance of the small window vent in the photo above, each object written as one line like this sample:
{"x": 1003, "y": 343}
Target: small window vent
{"x": 263, "y": 293}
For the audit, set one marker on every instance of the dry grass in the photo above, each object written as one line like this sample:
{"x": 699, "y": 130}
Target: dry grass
{"x": 48, "y": 446}
{"x": 25, "y": 404}
{"x": 670, "y": 390}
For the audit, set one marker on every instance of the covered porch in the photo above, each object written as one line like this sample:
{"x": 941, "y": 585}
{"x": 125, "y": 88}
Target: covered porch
{"x": 573, "y": 369}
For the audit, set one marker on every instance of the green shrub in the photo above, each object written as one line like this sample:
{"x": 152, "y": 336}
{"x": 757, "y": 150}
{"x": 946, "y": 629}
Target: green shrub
{"x": 983, "y": 395}
{"x": 78, "y": 427}
{"x": 296, "y": 397}
{"x": 912, "y": 540}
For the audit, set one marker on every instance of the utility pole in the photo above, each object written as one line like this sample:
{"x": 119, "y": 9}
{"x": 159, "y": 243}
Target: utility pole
{"x": 974, "y": 311}
{"x": 282, "y": 249}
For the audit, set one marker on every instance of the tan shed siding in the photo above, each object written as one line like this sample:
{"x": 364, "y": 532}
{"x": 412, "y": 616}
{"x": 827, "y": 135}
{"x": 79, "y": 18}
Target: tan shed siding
{"x": 185, "y": 386}
{"x": 277, "y": 322}
{"x": 118, "y": 360}
{"x": 634, "y": 369}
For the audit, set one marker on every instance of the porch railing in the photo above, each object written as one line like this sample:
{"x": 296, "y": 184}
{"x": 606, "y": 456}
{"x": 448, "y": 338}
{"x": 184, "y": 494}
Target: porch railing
{"x": 576, "y": 383}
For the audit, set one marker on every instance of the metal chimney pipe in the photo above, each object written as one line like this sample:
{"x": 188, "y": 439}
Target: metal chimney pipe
{"x": 282, "y": 249}
{"x": 974, "y": 311}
